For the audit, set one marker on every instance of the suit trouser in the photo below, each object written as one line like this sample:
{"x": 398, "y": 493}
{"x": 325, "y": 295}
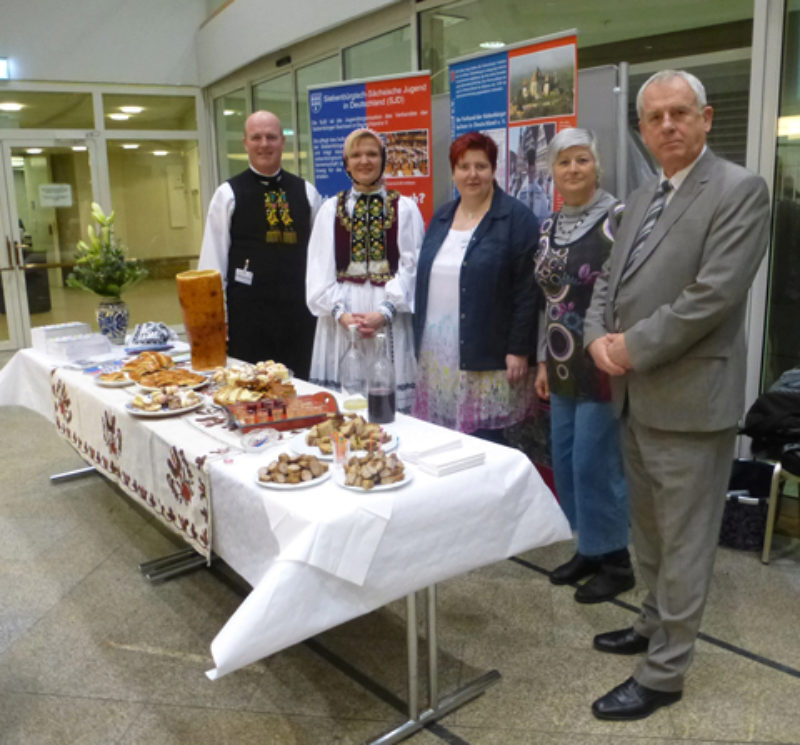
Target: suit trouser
{"x": 676, "y": 484}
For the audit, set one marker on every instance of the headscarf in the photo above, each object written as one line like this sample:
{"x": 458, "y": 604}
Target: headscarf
{"x": 350, "y": 142}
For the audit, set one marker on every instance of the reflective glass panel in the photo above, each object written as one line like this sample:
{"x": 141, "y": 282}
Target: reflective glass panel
{"x": 460, "y": 28}
{"x": 155, "y": 192}
{"x": 230, "y": 111}
{"x": 134, "y": 111}
{"x": 51, "y": 204}
{"x": 782, "y": 338}
{"x": 26, "y": 110}
{"x": 324, "y": 71}
{"x": 383, "y": 55}
{"x": 275, "y": 95}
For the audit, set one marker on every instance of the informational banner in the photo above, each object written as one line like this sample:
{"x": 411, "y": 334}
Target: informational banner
{"x": 397, "y": 108}
{"x": 520, "y": 97}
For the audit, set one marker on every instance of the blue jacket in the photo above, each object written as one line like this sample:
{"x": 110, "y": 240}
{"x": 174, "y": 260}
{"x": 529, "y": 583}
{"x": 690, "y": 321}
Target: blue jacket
{"x": 498, "y": 295}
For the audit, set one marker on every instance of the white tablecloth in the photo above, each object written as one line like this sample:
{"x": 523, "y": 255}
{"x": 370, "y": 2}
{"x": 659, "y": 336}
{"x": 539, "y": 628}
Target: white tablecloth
{"x": 320, "y": 556}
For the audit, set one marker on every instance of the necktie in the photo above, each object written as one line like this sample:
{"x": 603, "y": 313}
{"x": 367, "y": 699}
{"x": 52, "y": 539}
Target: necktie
{"x": 650, "y": 219}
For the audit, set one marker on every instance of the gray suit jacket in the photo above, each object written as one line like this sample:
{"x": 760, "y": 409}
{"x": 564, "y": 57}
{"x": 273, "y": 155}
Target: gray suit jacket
{"x": 682, "y": 303}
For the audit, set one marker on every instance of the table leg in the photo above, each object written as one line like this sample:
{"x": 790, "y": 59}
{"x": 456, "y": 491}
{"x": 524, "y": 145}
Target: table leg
{"x": 76, "y": 474}
{"x": 167, "y": 567}
{"x": 437, "y": 707}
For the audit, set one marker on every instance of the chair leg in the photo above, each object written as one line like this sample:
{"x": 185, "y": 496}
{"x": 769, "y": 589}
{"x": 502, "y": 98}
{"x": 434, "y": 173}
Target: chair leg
{"x": 774, "y": 495}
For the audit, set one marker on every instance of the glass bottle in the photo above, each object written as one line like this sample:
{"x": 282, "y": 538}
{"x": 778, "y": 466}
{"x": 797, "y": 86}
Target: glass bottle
{"x": 353, "y": 373}
{"x": 381, "y": 390}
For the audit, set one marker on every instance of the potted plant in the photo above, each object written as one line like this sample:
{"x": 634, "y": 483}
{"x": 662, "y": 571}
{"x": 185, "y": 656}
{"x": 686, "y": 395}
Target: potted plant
{"x": 101, "y": 267}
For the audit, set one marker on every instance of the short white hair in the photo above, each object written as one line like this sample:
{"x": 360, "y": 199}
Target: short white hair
{"x": 666, "y": 75}
{"x": 573, "y": 137}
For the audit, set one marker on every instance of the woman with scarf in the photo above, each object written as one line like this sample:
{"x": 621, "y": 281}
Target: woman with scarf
{"x": 362, "y": 262}
{"x": 587, "y": 461}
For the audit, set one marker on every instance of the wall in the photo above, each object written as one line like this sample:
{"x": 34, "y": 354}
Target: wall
{"x": 245, "y": 30}
{"x": 102, "y": 41}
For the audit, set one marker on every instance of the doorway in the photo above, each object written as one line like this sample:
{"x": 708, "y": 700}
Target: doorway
{"x": 47, "y": 204}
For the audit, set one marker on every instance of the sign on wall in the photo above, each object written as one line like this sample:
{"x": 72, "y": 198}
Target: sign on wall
{"x": 520, "y": 97}
{"x": 55, "y": 195}
{"x": 397, "y": 108}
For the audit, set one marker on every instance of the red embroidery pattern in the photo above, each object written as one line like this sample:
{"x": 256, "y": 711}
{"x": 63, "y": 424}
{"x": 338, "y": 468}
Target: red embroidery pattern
{"x": 180, "y": 477}
{"x": 112, "y": 434}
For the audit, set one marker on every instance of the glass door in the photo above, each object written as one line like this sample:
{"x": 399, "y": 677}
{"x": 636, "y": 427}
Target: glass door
{"x": 46, "y": 209}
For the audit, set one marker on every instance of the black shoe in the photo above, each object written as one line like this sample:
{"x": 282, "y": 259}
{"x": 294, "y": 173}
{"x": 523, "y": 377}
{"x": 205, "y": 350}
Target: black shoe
{"x": 624, "y": 641}
{"x": 631, "y": 700}
{"x": 576, "y": 568}
{"x": 609, "y": 582}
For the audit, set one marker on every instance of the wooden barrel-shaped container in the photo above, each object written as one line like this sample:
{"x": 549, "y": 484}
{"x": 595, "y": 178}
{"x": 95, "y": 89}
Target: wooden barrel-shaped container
{"x": 203, "y": 307}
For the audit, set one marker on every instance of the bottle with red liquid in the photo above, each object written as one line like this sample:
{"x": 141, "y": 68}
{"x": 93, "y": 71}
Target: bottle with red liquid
{"x": 381, "y": 383}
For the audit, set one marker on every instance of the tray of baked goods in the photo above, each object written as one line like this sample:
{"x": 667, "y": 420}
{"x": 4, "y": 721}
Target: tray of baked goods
{"x": 251, "y": 383}
{"x": 282, "y": 413}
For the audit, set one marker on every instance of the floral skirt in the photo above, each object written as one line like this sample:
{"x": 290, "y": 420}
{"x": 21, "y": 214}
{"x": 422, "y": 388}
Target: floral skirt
{"x": 461, "y": 399}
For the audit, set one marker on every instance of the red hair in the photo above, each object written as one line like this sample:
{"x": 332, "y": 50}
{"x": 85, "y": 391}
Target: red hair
{"x": 473, "y": 141}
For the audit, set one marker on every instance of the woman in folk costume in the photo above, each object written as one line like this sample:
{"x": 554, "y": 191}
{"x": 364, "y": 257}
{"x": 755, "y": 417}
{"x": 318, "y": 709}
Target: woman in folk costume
{"x": 362, "y": 263}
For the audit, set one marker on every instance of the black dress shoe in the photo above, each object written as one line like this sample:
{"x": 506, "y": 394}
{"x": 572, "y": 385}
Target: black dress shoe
{"x": 631, "y": 700}
{"x": 576, "y": 568}
{"x": 609, "y": 582}
{"x": 624, "y": 641}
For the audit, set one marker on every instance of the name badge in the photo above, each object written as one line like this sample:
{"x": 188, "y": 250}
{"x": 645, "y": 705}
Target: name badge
{"x": 243, "y": 275}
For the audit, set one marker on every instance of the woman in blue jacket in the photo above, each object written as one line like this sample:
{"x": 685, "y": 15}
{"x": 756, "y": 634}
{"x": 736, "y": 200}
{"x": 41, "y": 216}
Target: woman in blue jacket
{"x": 475, "y": 318}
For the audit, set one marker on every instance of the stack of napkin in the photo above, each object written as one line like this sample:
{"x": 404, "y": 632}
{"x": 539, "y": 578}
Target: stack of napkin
{"x": 438, "y": 443}
{"x": 444, "y": 454}
{"x": 440, "y": 464}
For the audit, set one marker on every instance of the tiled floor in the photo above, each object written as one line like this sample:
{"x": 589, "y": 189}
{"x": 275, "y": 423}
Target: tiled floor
{"x": 92, "y": 654}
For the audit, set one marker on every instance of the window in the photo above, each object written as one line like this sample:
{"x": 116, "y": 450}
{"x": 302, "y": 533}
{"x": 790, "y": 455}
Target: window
{"x": 230, "y": 112}
{"x": 383, "y": 55}
{"x": 29, "y": 110}
{"x": 276, "y": 95}
{"x": 782, "y": 338}
{"x": 156, "y": 197}
{"x": 133, "y": 111}
{"x": 324, "y": 71}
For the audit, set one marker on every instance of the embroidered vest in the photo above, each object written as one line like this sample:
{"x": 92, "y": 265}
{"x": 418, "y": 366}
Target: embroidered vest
{"x": 366, "y": 241}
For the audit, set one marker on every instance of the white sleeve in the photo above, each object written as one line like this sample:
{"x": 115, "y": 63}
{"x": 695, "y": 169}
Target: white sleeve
{"x": 323, "y": 292}
{"x": 314, "y": 200}
{"x": 410, "y": 231}
{"x": 217, "y": 233}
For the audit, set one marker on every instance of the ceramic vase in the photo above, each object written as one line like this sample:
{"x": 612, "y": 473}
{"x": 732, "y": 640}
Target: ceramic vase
{"x": 112, "y": 319}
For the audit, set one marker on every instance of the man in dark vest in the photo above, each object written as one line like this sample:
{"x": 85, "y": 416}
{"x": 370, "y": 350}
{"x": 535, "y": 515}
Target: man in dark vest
{"x": 256, "y": 235}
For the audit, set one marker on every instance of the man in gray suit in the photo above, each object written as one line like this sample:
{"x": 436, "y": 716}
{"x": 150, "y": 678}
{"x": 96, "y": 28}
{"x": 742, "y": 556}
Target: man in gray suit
{"x": 667, "y": 323}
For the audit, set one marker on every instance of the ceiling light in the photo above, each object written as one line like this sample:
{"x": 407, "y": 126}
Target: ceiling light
{"x": 79, "y": 148}
{"x": 160, "y": 152}
{"x": 10, "y": 106}
{"x": 228, "y": 112}
{"x": 130, "y": 146}
{"x": 132, "y": 109}
{"x": 119, "y": 117}
{"x": 288, "y": 133}
{"x": 492, "y": 44}
{"x": 33, "y": 150}
{"x": 789, "y": 126}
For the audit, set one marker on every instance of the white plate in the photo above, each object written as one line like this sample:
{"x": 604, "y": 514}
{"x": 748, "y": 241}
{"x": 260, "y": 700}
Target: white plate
{"x": 379, "y": 487}
{"x": 194, "y": 387}
{"x": 113, "y": 383}
{"x": 163, "y": 412}
{"x": 299, "y": 445}
{"x": 290, "y": 487}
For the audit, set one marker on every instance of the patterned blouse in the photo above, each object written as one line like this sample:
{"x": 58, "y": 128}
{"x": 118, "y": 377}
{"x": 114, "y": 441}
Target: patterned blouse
{"x": 567, "y": 264}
